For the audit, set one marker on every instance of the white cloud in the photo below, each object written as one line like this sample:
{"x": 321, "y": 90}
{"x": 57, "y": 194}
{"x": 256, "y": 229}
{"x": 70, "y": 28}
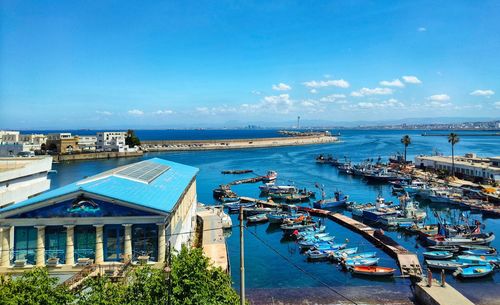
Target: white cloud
{"x": 313, "y": 91}
{"x": 270, "y": 104}
{"x": 393, "y": 83}
{"x": 107, "y": 113}
{"x": 327, "y": 83}
{"x": 410, "y": 79}
{"x": 308, "y": 103}
{"x": 390, "y": 103}
{"x": 372, "y": 91}
{"x": 135, "y": 112}
{"x": 282, "y": 87}
{"x": 422, "y": 29}
{"x": 439, "y": 98}
{"x": 333, "y": 98}
{"x": 160, "y": 112}
{"x": 480, "y": 92}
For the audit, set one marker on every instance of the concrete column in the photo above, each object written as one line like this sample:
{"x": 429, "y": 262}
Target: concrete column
{"x": 70, "y": 246}
{"x": 127, "y": 248}
{"x": 161, "y": 242}
{"x": 40, "y": 246}
{"x": 5, "y": 261}
{"x": 99, "y": 252}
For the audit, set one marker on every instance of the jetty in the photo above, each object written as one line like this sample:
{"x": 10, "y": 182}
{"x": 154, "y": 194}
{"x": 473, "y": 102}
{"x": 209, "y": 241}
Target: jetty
{"x": 409, "y": 263}
{"x": 213, "y": 242}
{"x": 225, "y": 144}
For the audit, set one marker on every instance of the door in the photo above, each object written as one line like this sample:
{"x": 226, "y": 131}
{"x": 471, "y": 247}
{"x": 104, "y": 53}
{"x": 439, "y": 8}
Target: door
{"x": 113, "y": 242}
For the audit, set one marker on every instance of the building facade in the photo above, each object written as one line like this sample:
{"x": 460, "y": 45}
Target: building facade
{"x": 62, "y": 143}
{"x": 468, "y": 166}
{"x": 111, "y": 141}
{"x": 22, "y": 178}
{"x": 133, "y": 212}
{"x": 87, "y": 143}
{"x": 7, "y": 136}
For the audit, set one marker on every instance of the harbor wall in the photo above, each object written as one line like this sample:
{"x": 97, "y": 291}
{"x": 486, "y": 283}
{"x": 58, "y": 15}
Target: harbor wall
{"x": 98, "y": 155}
{"x": 174, "y": 145}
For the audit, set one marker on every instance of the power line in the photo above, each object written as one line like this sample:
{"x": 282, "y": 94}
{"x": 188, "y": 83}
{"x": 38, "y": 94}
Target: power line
{"x": 300, "y": 268}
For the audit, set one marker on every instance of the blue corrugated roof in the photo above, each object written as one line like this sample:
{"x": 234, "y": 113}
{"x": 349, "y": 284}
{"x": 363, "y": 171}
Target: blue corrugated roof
{"x": 161, "y": 194}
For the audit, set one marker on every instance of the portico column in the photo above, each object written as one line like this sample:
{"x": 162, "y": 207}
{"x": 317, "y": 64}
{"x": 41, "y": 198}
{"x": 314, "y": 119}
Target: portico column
{"x": 5, "y": 246}
{"x": 161, "y": 242}
{"x": 70, "y": 246}
{"x": 40, "y": 246}
{"x": 99, "y": 253}
{"x": 127, "y": 251}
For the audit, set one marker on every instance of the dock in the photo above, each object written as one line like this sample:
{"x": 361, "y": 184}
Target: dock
{"x": 213, "y": 242}
{"x": 409, "y": 263}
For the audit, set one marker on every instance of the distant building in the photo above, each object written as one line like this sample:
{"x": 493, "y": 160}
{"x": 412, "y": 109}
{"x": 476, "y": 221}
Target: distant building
{"x": 62, "y": 143}
{"x": 33, "y": 139}
{"x": 112, "y": 141}
{"x": 87, "y": 143}
{"x": 468, "y": 166}
{"x": 22, "y": 178}
{"x": 17, "y": 149}
{"x": 7, "y": 136}
{"x": 133, "y": 212}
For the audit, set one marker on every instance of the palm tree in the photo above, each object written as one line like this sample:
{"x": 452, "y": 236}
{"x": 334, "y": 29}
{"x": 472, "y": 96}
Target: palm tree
{"x": 453, "y": 139}
{"x": 406, "y": 140}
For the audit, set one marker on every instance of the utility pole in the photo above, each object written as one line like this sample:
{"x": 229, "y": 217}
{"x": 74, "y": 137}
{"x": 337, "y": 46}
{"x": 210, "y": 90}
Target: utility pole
{"x": 242, "y": 260}
{"x": 298, "y": 122}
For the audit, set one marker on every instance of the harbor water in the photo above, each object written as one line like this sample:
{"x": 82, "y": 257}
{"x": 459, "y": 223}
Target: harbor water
{"x": 274, "y": 263}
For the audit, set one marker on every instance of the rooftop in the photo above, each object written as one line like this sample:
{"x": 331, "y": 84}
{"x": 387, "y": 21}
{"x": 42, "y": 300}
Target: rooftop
{"x": 155, "y": 183}
{"x": 460, "y": 160}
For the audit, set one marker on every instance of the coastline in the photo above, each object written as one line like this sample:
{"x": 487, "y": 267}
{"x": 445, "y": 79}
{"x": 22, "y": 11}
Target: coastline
{"x": 224, "y": 144}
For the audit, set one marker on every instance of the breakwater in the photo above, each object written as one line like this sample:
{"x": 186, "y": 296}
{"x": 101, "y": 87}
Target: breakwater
{"x": 94, "y": 156}
{"x": 187, "y": 145}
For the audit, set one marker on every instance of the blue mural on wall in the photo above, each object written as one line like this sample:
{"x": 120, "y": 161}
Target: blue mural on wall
{"x": 83, "y": 206}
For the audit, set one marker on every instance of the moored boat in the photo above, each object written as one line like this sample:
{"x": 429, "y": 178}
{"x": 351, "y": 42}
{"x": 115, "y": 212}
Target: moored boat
{"x": 438, "y": 255}
{"x": 360, "y": 262}
{"x": 373, "y": 270}
{"x": 257, "y": 218}
{"x": 474, "y": 271}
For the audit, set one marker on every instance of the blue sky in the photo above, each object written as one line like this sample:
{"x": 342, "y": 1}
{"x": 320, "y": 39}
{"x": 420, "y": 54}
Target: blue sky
{"x": 98, "y": 64}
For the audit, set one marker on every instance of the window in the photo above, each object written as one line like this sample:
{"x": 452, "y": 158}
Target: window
{"x": 55, "y": 243}
{"x": 145, "y": 241}
{"x": 84, "y": 242}
{"x": 25, "y": 244}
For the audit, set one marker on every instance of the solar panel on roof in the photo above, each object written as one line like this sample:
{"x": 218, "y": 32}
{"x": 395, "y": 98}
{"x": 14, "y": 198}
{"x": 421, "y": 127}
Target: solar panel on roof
{"x": 143, "y": 171}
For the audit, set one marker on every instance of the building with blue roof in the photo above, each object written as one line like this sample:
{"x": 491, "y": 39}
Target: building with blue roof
{"x": 133, "y": 212}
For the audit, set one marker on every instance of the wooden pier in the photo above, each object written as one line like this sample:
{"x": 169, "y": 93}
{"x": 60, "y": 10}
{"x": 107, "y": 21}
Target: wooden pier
{"x": 408, "y": 261}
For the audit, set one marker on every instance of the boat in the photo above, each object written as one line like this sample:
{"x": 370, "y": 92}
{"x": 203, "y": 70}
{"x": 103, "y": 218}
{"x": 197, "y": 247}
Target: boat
{"x": 234, "y": 207}
{"x": 296, "y": 197}
{"x": 474, "y": 259}
{"x": 271, "y": 188}
{"x": 409, "y": 214}
{"x": 329, "y": 246}
{"x": 309, "y": 235}
{"x": 361, "y": 255}
{"x": 280, "y": 216}
{"x": 256, "y": 210}
{"x": 338, "y": 200}
{"x": 375, "y": 215}
{"x": 316, "y": 254}
{"x": 304, "y": 244}
{"x": 415, "y": 187}
{"x": 372, "y": 270}
{"x": 236, "y": 171}
{"x": 270, "y": 176}
{"x": 446, "y": 264}
{"x": 481, "y": 252}
{"x": 384, "y": 176}
{"x": 453, "y": 249}
{"x": 223, "y": 191}
{"x": 438, "y": 254}
{"x": 471, "y": 239}
{"x": 476, "y": 247}
{"x": 290, "y": 228}
{"x": 342, "y": 253}
{"x": 360, "y": 262}
{"x": 474, "y": 271}
{"x": 257, "y": 218}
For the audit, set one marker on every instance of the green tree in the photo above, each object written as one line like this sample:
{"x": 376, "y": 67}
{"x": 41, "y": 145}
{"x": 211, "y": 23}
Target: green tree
{"x": 132, "y": 140}
{"x": 147, "y": 286}
{"x": 453, "y": 139}
{"x": 32, "y": 288}
{"x": 196, "y": 281}
{"x": 406, "y": 140}
{"x": 101, "y": 291}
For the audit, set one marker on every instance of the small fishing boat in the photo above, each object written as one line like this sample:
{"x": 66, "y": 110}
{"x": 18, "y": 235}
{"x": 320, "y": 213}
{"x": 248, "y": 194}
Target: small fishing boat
{"x": 290, "y": 228}
{"x": 476, "y": 247}
{"x": 438, "y": 254}
{"x": 474, "y": 271}
{"x": 270, "y": 176}
{"x": 481, "y": 252}
{"x": 362, "y": 255}
{"x": 329, "y": 246}
{"x": 360, "y": 262}
{"x": 234, "y": 207}
{"x": 338, "y": 200}
{"x": 310, "y": 242}
{"x": 257, "y": 218}
{"x": 342, "y": 253}
{"x": 453, "y": 249}
{"x": 472, "y": 239}
{"x": 280, "y": 217}
{"x": 316, "y": 254}
{"x": 445, "y": 264}
{"x": 296, "y": 197}
{"x": 373, "y": 270}
{"x": 474, "y": 259}
{"x": 236, "y": 171}
{"x": 256, "y": 210}
{"x": 309, "y": 235}
{"x": 305, "y": 245}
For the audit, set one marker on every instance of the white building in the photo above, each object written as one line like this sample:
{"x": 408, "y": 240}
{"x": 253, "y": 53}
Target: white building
{"x": 23, "y": 178}
{"x": 469, "y": 166}
{"x": 112, "y": 141}
{"x": 33, "y": 139}
{"x": 7, "y": 136}
{"x": 87, "y": 143}
{"x": 16, "y": 149}
{"x": 59, "y": 136}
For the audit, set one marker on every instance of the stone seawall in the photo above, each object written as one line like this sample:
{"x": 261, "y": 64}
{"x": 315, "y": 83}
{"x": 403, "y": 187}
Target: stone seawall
{"x": 235, "y": 143}
{"x": 99, "y": 155}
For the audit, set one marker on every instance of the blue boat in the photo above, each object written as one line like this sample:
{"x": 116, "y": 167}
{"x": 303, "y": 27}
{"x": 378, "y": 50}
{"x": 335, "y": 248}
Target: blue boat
{"x": 329, "y": 246}
{"x": 339, "y": 200}
{"x": 474, "y": 259}
{"x": 474, "y": 271}
{"x": 317, "y": 254}
{"x": 481, "y": 252}
{"x": 338, "y": 254}
{"x": 305, "y": 244}
{"x": 438, "y": 254}
{"x": 361, "y": 255}
{"x": 361, "y": 262}
{"x": 234, "y": 207}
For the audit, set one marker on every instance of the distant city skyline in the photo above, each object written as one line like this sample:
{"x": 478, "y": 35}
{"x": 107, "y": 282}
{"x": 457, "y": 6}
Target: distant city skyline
{"x": 66, "y": 65}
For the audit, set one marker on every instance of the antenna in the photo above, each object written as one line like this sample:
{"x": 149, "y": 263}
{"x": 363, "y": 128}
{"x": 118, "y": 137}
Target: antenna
{"x": 298, "y": 122}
